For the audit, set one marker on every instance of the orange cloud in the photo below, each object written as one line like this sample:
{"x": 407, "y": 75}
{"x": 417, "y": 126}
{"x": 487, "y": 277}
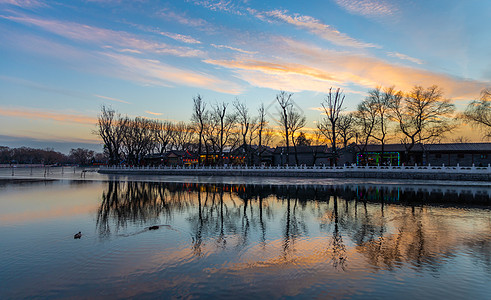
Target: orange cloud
{"x": 45, "y": 115}
{"x": 320, "y": 68}
{"x": 153, "y": 113}
{"x": 112, "y": 99}
{"x": 275, "y": 68}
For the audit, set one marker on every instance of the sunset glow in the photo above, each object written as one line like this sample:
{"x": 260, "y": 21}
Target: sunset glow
{"x": 61, "y": 61}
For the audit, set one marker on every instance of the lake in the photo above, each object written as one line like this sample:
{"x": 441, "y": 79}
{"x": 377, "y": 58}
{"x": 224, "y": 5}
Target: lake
{"x": 242, "y": 238}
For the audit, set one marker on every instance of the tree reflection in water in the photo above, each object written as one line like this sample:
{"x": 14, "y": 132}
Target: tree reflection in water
{"x": 389, "y": 226}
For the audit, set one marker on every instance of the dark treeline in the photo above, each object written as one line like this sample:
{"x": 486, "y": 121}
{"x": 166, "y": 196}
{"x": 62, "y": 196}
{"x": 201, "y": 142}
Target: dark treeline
{"x": 212, "y": 131}
{"x": 26, "y": 155}
{"x": 417, "y": 117}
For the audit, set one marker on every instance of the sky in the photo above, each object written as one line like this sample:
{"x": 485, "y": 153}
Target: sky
{"x": 60, "y": 61}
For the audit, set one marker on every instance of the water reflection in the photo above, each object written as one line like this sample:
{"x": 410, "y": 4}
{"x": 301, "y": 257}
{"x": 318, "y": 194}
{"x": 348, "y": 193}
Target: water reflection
{"x": 388, "y": 226}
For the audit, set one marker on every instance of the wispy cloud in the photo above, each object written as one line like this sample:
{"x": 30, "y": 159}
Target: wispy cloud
{"x": 175, "y": 36}
{"x": 23, "y": 3}
{"x": 405, "y": 57}
{"x": 112, "y": 99}
{"x": 104, "y": 37}
{"x": 234, "y": 49}
{"x": 46, "y": 115}
{"x": 117, "y": 65}
{"x": 320, "y": 68}
{"x": 153, "y": 113}
{"x": 368, "y": 8}
{"x": 220, "y": 5}
{"x": 183, "y": 19}
{"x": 180, "y": 37}
{"x": 309, "y": 23}
{"x": 125, "y": 50}
{"x": 154, "y": 72}
{"x": 318, "y": 28}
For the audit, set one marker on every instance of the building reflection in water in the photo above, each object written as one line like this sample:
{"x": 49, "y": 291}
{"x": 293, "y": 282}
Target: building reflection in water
{"x": 388, "y": 226}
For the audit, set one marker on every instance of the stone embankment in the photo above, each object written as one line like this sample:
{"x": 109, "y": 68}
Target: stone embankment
{"x": 380, "y": 172}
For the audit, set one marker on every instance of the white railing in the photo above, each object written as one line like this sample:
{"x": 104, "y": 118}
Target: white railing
{"x": 314, "y": 169}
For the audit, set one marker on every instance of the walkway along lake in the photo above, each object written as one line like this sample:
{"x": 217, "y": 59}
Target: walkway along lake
{"x": 443, "y": 172}
{"x": 221, "y": 240}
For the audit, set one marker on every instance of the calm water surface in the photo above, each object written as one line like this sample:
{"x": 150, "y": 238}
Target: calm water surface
{"x": 226, "y": 240}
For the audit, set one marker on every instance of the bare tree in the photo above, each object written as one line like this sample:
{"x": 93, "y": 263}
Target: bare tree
{"x": 268, "y": 137}
{"x": 261, "y": 127}
{"x": 210, "y": 135}
{"x": 296, "y": 121}
{"x": 380, "y": 102}
{"x": 225, "y": 122}
{"x": 198, "y": 119}
{"x": 423, "y": 115}
{"x": 285, "y": 101}
{"x": 110, "y": 127}
{"x": 81, "y": 156}
{"x": 247, "y": 126}
{"x": 139, "y": 138}
{"x": 332, "y": 106}
{"x": 346, "y": 128}
{"x": 163, "y": 135}
{"x": 478, "y": 112}
{"x": 182, "y": 135}
{"x": 365, "y": 119}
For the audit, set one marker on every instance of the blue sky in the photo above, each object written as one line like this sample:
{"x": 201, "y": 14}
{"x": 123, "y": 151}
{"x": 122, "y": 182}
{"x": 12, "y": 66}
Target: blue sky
{"x": 60, "y": 61}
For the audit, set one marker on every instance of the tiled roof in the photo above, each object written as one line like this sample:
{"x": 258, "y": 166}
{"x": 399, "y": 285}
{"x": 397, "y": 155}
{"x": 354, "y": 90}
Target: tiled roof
{"x": 302, "y": 149}
{"x": 451, "y": 147}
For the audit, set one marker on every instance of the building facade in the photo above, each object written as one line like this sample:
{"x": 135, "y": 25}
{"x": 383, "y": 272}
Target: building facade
{"x": 451, "y": 154}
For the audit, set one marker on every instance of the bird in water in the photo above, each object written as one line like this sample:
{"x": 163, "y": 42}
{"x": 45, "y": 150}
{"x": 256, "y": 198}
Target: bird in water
{"x": 77, "y": 235}
{"x": 155, "y": 227}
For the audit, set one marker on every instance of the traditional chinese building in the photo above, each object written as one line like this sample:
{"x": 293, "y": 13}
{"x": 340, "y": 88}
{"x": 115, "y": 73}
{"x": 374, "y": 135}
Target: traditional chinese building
{"x": 464, "y": 154}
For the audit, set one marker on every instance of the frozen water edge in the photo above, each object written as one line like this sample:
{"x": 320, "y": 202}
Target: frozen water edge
{"x": 249, "y": 180}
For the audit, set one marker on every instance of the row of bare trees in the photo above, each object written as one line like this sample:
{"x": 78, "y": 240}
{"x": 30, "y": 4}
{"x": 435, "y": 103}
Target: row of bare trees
{"x": 131, "y": 139}
{"x": 48, "y": 156}
{"x": 213, "y": 130}
{"x": 223, "y": 127}
{"x": 420, "y": 116}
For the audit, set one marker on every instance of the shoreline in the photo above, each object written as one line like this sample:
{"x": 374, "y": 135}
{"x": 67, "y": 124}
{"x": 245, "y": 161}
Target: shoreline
{"x": 254, "y": 180}
{"x": 392, "y": 173}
